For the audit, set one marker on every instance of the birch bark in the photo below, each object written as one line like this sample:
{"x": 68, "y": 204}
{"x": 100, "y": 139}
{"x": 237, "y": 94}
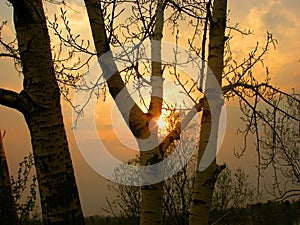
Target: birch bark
{"x": 205, "y": 180}
{"x": 151, "y": 204}
{"x": 152, "y": 195}
{"x": 39, "y": 102}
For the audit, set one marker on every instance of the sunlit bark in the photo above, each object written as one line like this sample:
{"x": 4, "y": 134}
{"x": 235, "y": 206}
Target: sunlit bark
{"x": 152, "y": 195}
{"x": 205, "y": 180}
{"x": 151, "y": 205}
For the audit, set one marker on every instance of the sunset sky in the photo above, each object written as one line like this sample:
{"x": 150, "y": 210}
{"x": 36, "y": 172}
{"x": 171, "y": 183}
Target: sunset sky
{"x": 279, "y": 17}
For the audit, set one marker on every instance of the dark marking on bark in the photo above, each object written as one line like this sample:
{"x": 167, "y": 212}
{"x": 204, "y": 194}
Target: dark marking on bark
{"x": 199, "y": 202}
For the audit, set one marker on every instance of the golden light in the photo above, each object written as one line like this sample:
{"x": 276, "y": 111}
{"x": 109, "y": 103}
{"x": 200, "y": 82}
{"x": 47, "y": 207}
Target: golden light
{"x": 161, "y": 123}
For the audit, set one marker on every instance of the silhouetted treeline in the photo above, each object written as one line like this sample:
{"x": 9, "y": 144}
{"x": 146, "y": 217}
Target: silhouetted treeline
{"x": 270, "y": 213}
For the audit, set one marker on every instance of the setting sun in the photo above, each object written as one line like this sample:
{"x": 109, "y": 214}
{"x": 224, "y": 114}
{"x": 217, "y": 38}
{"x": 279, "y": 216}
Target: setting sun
{"x": 124, "y": 111}
{"x": 161, "y": 123}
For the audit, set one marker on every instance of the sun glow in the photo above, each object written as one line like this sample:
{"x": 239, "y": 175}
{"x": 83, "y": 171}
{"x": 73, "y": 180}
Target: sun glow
{"x": 161, "y": 123}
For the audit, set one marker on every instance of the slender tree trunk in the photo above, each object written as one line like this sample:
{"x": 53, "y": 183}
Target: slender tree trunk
{"x": 205, "y": 179}
{"x": 152, "y": 195}
{"x": 58, "y": 191}
{"x": 8, "y": 212}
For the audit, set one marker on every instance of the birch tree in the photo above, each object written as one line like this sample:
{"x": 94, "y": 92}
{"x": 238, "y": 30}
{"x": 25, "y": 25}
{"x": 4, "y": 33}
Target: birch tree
{"x": 151, "y": 203}
{"x": 177, "y": 191}
{"x": 140, "y": 123}
{"x": 264, "y": 107}
{"x": 148, "y": 20}
{"x": 39, "y": 102}
{"x": 205, "y": 179}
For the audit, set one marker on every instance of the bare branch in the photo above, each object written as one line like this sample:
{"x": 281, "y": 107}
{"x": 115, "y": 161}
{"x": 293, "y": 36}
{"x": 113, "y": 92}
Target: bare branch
{"x": 14, "y": 100}
{"x": 175, "y": 133}
{"x": 9, "y": 55}
{"x": 187, "y": 9}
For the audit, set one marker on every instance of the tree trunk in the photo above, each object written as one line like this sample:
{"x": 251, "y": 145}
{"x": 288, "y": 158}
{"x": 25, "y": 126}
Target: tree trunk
{"x": 58, "y": 191}
{"x": 151, "y": 204}
{"x": 152, "y": 195}
{"x": 57, "y": 186}
{"x": 206, "y": 178}
{"x": 8, "y": 212}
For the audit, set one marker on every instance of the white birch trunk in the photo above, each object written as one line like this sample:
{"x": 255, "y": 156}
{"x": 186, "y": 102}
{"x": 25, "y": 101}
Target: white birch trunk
{"x": 152, "y": 195}
{"x": 205, "y": 180}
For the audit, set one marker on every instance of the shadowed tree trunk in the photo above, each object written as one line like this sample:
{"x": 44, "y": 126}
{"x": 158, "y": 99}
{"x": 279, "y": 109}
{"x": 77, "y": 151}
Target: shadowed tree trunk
{"x": 206, "y": 178}
{"x": 8, "y": 212}
{"x": 39, "y": 101}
